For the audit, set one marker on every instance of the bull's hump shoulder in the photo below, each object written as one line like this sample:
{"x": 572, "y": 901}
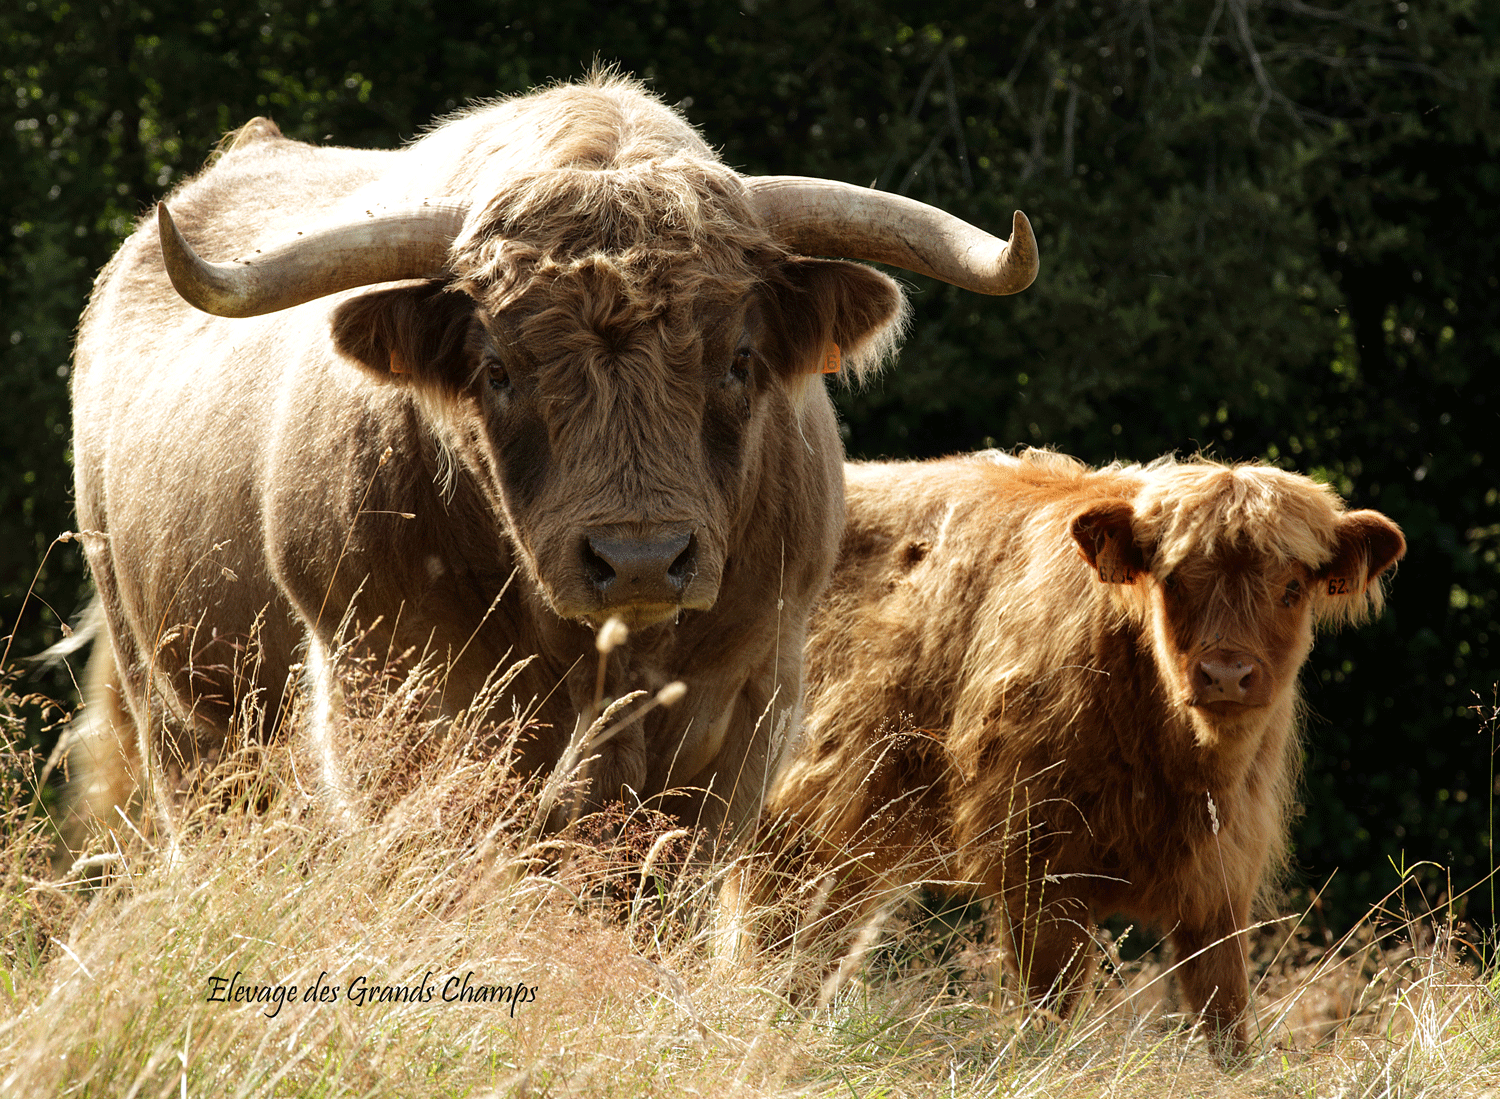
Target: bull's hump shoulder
{"x": 602, "y": 123}
{"x": 258, "y": 130}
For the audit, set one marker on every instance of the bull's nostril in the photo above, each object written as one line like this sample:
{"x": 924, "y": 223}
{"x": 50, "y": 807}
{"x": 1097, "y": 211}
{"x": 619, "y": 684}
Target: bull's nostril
{"x": 598, "y": 571}
{"x": 685, "y": 566}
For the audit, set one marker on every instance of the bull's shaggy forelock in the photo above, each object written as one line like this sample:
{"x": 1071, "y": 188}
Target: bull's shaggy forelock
{"x": 621, "y": 176}
{"x": 597, "y": 243}
{"x": 628, "y": 372}
{"x": 673, "y": 200}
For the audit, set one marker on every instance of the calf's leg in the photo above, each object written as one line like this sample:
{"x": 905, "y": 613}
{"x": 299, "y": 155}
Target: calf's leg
{"x": 1212, "y": 974}
{"x": 1049, "y": 949}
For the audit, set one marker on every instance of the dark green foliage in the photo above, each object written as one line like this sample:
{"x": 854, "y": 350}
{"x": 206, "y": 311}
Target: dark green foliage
{"x": 1267, "y": 230}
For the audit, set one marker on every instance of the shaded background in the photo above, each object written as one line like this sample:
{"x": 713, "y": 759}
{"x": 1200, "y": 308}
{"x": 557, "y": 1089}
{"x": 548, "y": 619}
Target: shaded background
{"x": 1268, "y": 231}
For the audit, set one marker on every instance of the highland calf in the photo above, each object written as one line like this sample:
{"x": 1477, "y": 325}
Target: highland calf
{"x": 1077, "y": 690}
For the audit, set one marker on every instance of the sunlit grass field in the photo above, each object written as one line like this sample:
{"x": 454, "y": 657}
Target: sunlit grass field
{"x": 440, "y": 942}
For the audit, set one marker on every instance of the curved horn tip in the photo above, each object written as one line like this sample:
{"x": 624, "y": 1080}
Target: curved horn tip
{"x": 1021, "y": 252}
{"x": 174, "y": 249}
{"x": 166, "y": 225}
{"x": 173, "y": 245}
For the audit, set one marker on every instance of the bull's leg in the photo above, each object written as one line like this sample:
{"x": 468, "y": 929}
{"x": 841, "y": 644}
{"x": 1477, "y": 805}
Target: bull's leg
{"x": 723, "y": 794}
{"x": 129, "y": 672}
{"x": 1047, "y": 940}
{"x": 1212, "y": 974}
{"x": 325, "y": 719}
{"x": 747, "y": 769}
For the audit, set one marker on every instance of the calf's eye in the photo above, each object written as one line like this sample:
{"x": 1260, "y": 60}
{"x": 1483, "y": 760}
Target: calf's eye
{"x": 1293, "y": 593}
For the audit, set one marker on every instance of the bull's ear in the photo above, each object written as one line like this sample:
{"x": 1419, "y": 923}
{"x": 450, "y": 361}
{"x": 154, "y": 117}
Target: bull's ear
{"x": 1103, "y": 534}
{"x": 413, "y": 332}
{"x": 816, "y": 302}
{"x": 1368, "y": 544}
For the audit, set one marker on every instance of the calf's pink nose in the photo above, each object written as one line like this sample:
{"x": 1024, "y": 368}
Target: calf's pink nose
{"x": 1227, "y": 678}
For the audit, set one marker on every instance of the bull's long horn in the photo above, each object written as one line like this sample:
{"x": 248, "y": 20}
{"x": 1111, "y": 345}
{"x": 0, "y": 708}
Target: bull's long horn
{"x": 828, "y": 218}
{"x": 382, "y": 246}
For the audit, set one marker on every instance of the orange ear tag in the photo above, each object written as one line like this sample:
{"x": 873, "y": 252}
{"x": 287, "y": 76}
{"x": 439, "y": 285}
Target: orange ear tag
{"x": 398, "y": 366}
{"x": 832, "y": 358}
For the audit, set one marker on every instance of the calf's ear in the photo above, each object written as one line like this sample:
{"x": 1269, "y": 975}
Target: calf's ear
{"x": 412, "y": 332}
{"x": 1368, "y": 544}
{"x": 1103, "y": 534}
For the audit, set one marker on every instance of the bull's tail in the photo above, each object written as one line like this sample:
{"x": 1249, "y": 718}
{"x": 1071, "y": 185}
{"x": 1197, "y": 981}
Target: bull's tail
{"x": 101, "y": 758}
{"x": 87, "y": 628}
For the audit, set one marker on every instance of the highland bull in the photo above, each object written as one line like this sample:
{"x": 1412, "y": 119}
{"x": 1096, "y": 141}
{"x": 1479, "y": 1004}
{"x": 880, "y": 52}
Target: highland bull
{"x": 552, "y": 362}
{"x": 1074, "y": 689}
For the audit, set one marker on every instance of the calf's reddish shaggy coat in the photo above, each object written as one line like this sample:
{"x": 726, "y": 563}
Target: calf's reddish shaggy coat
{"x": 1077, "y": 690}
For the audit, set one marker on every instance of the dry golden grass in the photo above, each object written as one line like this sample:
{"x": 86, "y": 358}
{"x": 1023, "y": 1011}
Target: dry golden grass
{"x": 105, "y": 984}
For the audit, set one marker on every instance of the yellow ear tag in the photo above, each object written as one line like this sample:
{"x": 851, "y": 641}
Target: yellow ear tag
{"x": 832, "y": 358}
{"x": 1112, "y": 561}
{"x": 398, "y": 366}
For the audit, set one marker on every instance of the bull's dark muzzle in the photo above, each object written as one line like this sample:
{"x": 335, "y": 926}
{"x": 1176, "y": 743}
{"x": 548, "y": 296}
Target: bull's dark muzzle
{"x": 632, "y": 571}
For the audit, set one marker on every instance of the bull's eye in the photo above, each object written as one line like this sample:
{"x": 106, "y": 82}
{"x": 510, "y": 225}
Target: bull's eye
{"x": 739, "y": 366}
{"x": 499, "y": 377}
{"x": 1293, "y": 593}
{"x": 1171, "y": 584}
